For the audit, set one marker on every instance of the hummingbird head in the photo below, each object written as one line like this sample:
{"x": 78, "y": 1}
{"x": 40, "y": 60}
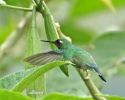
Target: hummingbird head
{"x": 60, "y": 43}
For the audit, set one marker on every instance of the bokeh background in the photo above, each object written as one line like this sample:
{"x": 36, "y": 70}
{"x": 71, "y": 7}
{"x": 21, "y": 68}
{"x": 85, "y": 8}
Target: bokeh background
{"x": 90, "y": 25}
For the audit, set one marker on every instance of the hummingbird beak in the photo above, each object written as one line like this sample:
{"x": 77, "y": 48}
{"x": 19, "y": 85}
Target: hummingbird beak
{"x": 48, "y": 41}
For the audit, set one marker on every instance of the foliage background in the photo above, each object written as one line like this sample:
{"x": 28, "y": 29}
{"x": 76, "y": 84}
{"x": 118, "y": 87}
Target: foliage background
{"x": 90, "y": 25}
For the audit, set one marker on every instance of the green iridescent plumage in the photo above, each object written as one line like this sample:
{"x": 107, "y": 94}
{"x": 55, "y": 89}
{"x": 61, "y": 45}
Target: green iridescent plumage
{"x": 66, "y": 51}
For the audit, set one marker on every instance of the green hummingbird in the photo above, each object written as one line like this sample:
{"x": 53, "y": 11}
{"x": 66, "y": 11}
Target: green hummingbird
{"x": 66, "y": 51}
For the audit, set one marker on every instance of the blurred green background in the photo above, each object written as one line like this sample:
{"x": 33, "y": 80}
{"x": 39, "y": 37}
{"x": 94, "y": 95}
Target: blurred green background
{"x": 90, "y": 25}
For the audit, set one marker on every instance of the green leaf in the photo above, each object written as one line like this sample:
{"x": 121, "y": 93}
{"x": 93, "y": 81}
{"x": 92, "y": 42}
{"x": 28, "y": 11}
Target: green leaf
{"x": 58, "y": 96}
{"x": 20, "y": 80}
{"x": 33, "y": 46}
{"x": 36, "y": 73}
{"x": 9, "y": 95}
{"x": 64, "y": 68}
{"x": 50, "y": 28}
{"x": 113, "y": 97}
{"x": 2, "y": 2}
{"x": 51, "y": 32}
{"x": 10, "y": 81}
{"x": 86, "y": 7}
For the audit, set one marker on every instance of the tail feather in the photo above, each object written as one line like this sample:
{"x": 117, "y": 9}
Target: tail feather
{"x": 100, "y": 75}
{"x": 102, "y": 78}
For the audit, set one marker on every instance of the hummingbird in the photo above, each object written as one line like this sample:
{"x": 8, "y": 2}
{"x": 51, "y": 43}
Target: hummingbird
{"x": 66, "y": 52}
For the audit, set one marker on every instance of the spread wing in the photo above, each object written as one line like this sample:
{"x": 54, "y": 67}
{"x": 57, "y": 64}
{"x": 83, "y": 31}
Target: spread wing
{"x": 43, "y": 58}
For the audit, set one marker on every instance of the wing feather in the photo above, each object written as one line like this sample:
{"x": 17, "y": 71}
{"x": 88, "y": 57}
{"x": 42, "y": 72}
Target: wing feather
{"x": 43, "y": 58}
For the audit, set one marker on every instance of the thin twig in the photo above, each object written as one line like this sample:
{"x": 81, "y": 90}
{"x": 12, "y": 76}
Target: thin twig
{"x": 14, "y": 36}
{"x": 34, "y": 3}
{"x": 16, "y": 8}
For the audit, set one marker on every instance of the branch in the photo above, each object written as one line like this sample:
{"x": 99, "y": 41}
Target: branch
{"x": 16, "y": 8}
{"x": 39, "y": 5}
{"x": 14, "y": 36}
{"x": 90, "y": 85}
{"x": 34, "y": 3}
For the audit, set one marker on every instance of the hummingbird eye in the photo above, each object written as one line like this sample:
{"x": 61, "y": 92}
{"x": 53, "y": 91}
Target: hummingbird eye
{"x": 59, "y": 41}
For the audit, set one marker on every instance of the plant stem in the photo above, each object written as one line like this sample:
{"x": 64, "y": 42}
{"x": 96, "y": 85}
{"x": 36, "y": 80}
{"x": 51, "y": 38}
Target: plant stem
{"x": 39, "y": 5}
{"x": 34, "y": 3}
{"x": 61, "y": 35}
{"x": 90, "y": 85}
{"x": 16, "y": 8}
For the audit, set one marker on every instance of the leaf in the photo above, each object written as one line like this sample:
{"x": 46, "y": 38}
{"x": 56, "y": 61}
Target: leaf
{"x": 20, "y": 80}
{"x": 65, "y": 69}
{"x": 9, "y": 95}
{"x": 86, "y": 7}
{"x": 33, "y": 46}
{"x": 36, "y": 73}
{"x": 2, "y": 2}
{"x": 51, "y": 32}
{"x": 58, "y": 96}
{"x": 10, "y": 81}
{"x": 113, "y": 97}
{"x": 50, "y": 28}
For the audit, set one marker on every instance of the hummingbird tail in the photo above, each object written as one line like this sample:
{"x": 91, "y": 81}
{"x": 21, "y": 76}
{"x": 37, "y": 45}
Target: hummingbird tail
{"x": 102, "y": 78}
{"x": 100, "y": 75}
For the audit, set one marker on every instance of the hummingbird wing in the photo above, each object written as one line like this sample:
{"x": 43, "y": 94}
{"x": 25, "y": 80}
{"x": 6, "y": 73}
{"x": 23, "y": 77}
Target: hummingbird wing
{"x": 43, "y": 58}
